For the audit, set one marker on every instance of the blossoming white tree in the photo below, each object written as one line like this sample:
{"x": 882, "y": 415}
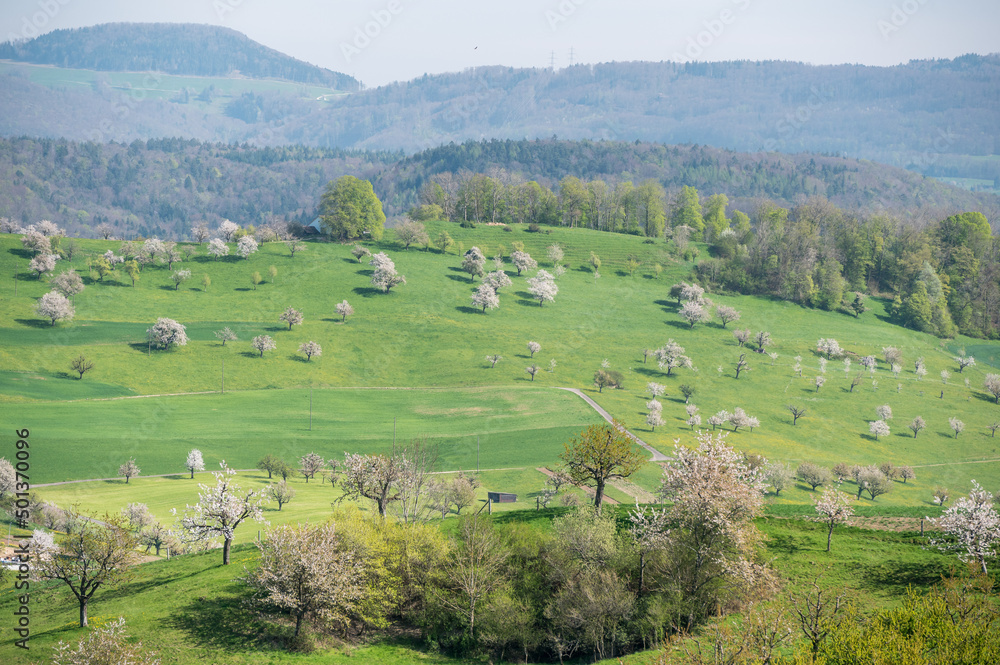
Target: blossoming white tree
{"x": 497, "y": 280}
{"x": 830, "y": 347}
{"x": 727, "y": 314}
{"x": 291, "y": 316}
{"x": 246, "y": 246}
{"x": 385, "y": 276}
{"x": 220, "y": 510}
{"x": 543, "y": 287}
{"x": 263, "y": 343}
{"x": 884, "y": 412}
{"x": 345, "y": 310}
{"x": 485, "y": 297}
{"x": 974, "y": 524}
{"x": 716, "y": 497}
{"x": 523, "y": 261}
{"x": 228, "y": 229}
{"x": 310, "y": 349}
{"x": 217, "y": 247}
{"x": 956, "y": 425}
{"x": 306, "y": 570}
{"x": 671, "y": 356}
{"x": 194, "y": 461}
{"x": 166, "y": 333}
{"x": 474, "y": 263}
{"x": 694, "y": 312}
{"x": 879, "y": 428}
{"x": 129, "y": 470}
{"x": 833, "y": 507}
{"x": 68, "y": 283}
{"x": 55, "y": 307}
{"x": 533, "y": 348}
{"x": 42, "y": 264}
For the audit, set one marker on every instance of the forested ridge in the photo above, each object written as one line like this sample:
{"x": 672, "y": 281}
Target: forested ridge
{"x": 171, "y": 48}
{"x": 162, "y": 187}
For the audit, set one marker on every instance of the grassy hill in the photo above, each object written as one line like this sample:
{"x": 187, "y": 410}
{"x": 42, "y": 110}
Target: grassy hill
{"x": 425, "y": 335}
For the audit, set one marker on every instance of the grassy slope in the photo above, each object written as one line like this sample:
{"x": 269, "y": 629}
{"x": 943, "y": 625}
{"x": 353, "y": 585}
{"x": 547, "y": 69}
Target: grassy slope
{"x": 425, "y": 334}
{"x": 189, "y": 609}
{"x": 164, "y": 86}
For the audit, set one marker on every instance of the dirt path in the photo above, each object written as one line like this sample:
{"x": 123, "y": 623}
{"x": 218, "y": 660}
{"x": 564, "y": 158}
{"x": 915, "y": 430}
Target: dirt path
{"x": 657, "y": 455}
{"x": 98, "y": 480}
{"x": 589, "y": 490}
{"x": 977, "y": 461}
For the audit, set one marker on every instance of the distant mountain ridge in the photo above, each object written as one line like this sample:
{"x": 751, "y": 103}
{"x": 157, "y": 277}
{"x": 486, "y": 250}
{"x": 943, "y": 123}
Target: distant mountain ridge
{"x": 171, "y": 48}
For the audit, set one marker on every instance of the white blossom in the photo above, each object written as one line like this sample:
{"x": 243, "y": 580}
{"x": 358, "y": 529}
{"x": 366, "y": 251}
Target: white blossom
{"x": 167, "y": 332}
{"x": 54, "y": 306}
{"x": 974, "y": 524}
{"x": 246, "y": 246}
{"x": 543, "y": 287}
{"x": 217, "y": 247}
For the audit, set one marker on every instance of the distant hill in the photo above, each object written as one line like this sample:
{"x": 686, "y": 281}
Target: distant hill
{"x": 935, "y": 117}
{"x": 164, "y": 186}
{"x": 171, "y": 48}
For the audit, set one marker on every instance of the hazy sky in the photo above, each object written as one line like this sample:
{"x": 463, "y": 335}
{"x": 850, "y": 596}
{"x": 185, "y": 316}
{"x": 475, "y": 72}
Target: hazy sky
{"x": 379, "y": 41}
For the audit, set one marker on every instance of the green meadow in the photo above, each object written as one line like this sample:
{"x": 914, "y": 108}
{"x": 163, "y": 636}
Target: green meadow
{"x": 425, "y": 336}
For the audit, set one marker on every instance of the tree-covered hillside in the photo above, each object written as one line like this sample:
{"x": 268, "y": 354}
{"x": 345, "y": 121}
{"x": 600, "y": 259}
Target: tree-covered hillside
{"x": 171, "y": 48}
{"x": 164, "y": 187}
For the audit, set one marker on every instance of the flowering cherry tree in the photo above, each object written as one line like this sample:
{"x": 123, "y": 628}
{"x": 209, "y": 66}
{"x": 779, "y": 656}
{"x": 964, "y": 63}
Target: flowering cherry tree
{"x": 833, "y": 507}
{"x": 974, "y": 524}
{"x": 54, "y": 306}
{"x": 220, "y": 510}
{"x": 194, "y": 462}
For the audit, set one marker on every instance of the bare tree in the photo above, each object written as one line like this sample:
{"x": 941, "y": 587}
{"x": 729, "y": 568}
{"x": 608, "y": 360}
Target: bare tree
{"x": 81, "y": 365}
{"x": 532, "y": 369}
{"x": 742, "y": 365}
{"x": 220, "y": 510}
{"x": 281, "y": 492}
{"x": 474, "y": 569}
{"x": 817, "y": 612}
{"x": 813, "y": 475}
{"x": 742, "y": 336}
{"x": 493, "y": 359}
{"x": 779, "y": 476}
{"x": 99, "y": 554}
{"x": 796, "y": 411}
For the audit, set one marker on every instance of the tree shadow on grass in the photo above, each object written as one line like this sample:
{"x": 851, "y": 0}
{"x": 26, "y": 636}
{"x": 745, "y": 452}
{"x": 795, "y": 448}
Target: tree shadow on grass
{"x": 250, "y": 354}
{"x": 898, "y": 576}
{"x": 366, "y": 272}
{"x": 459, "y": 278}
{"x": 36, "y": 323}
{"x": 298, "y": 358}
{"x": 223, "y": 621}
{"x": 679, "y": 324}
{"x": 351, "y": 260}
{"x": 167, "y": 287}
{"x": 366, "y": 291}
{"x": 243, "y": 288}
{"x": 21, "y": 252}
{"x": 668, "y": 305}
{"x": 469, "y": 310}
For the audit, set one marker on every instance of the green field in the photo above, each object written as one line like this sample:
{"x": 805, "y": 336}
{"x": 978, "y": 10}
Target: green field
{"x": 425, "y": 335}
{"x": 156, "y": 85}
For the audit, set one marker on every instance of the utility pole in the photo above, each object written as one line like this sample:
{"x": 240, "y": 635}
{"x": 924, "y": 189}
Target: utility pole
{"x": 223, "y": 376}
{"x": 477, "y": 453}
{"x": 310, "y": 409}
